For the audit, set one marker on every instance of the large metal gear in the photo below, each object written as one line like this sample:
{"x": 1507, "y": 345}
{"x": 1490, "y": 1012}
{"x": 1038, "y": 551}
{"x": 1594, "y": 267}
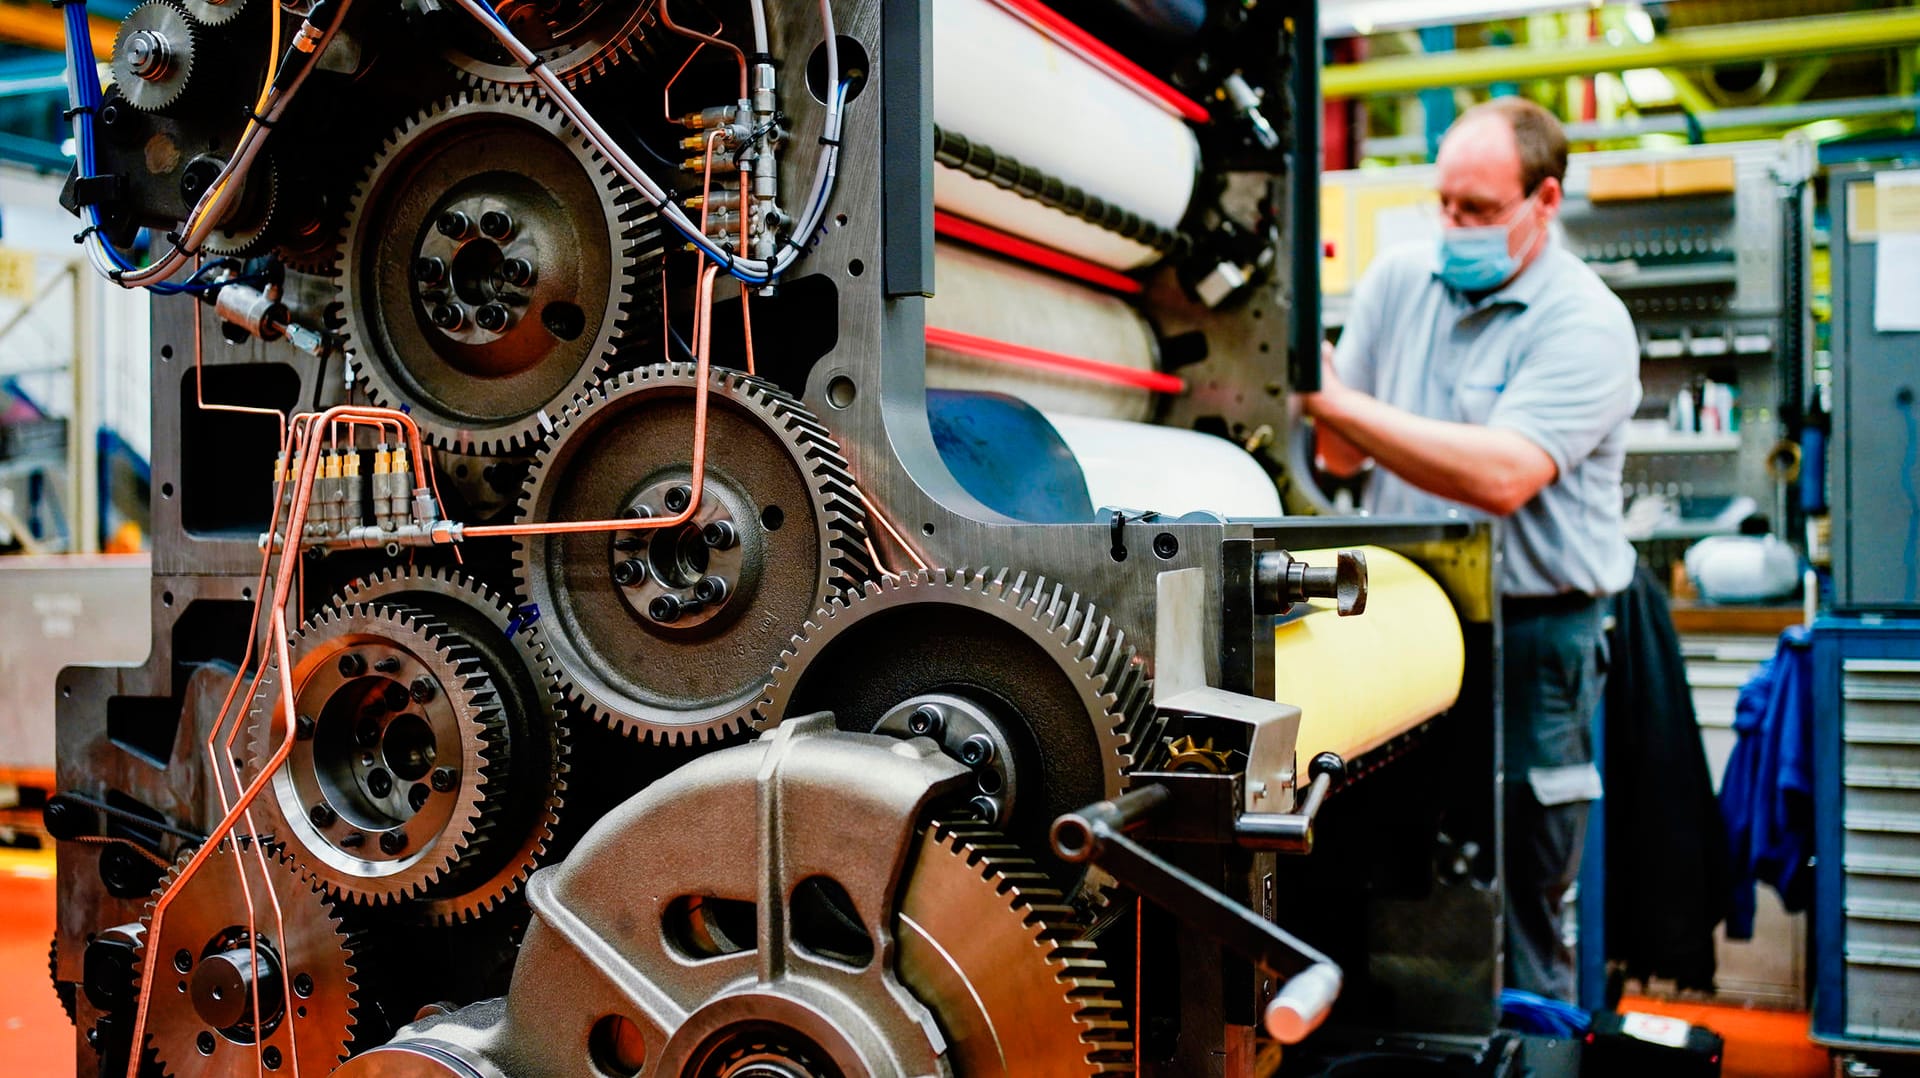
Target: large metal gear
{"x": 780, "y": 528}
{"x": 491, "y": 264}
{"x": 248, "y": 227}
{"x": 534, "y": 767}
{"x": 580, "y": 40}
{"x": 204, "y": 1016}
{"x": 1049, "y": 681}
{"x": 154, "y": 55}
{"x": 992, "y": 948}
{"x": 396, "y": 782}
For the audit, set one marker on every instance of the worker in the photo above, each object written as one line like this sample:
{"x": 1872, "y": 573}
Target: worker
{"x": 1495, "y": 376}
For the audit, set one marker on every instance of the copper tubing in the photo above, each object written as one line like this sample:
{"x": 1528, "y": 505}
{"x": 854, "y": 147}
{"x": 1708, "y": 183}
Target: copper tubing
{"x": 874, "y": 512}
{"x": 703, "y": 318}
{"x": 666, "y": 20}
{"x": 746, "y": 316}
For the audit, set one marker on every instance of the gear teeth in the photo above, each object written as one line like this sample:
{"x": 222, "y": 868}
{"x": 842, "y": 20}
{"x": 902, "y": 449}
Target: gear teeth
{"x": 182, "y": 35}
{"x": 636, "y": 240}
{"x": 577, "y": 67}
{"x": 840, "y": 523}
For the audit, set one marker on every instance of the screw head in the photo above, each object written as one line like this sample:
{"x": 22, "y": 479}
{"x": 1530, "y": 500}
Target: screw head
{"x": 204, "y": 1041}
{"x": 302, "y": 985}
{"x": 719, "y": 534}
{"x": 352, "y": 665}
{"x": 664, "y": 608}
{"x": 393, "y": 841}
{"x": 495, "y": 224}
{"x": 379, "y": 783}
{"x": 491, "y": 317}
{"x": 678, "y": 498}
{"x": 987, "y": 807}
{"x": 976, "y": 750}
{"x": 183, "y": 960}
{"x": 423, "y": 689}
{"x": 453, "y": 224}
{"x": 1165, "y": 545}
{"x": 449, "y": 316}
{"x": 429, "y": 270}
{"x": 711, "y": 589}
{"x": 630, "y": 572}
{"x": 444, "y": 779}
{"x": 638, "y": 512}
{"x": 517, "y": 271}
{"x": 321, "y": 815}
{"x": 925, "y": 721}
{"x": 303, "y": 727}
{"x": 271, "y": 1057}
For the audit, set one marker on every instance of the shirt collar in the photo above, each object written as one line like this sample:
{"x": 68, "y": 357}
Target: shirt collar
{"x": 1525, "y": 288}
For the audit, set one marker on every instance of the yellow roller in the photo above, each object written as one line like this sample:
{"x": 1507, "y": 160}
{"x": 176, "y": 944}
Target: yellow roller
{"x": 1362, "y": 681}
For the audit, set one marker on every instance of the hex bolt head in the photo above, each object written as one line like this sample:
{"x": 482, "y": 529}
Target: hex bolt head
{"x": 630, "y": 572}
{"x": 491, "y": 317}
{"x": 393, "y": 841}
{"x": 352, "y": 665}
{"x": 423, "y": 689}
{"x": 987, "y": 807}
{"x": 453, "y": 224}
{"x": 678, "y": 498}
{"x": 719, "y": 534}
{"x": 443, "y": 779}
{"x": 379, "y": 783}
{"x": 321, "y": 815}
{"x": 303, "y": 727}
{"x": 664, "y": 608}
{"x": 495, "y": 224}
{"x": 711, "y": 589}
{"x": 925, "y": 721}
{"x": 449, "y": 316}
{"x": 517, "y": 272}
{"x": 429, "y": 270}
{"x": 976, "y": 750}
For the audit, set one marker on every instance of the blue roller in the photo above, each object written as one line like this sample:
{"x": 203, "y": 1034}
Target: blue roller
{"x": 1006, "y": 454}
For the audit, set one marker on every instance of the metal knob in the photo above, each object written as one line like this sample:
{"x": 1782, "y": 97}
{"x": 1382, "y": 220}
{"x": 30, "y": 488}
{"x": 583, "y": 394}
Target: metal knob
{"x": 1281, "y": 581}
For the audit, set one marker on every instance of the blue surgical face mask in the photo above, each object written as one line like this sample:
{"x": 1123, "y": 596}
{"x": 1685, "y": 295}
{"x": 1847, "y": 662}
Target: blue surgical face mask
{"x": 1480, "y": 258}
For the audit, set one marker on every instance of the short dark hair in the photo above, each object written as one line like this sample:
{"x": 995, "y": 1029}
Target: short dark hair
{"x": 1538, "y": 134}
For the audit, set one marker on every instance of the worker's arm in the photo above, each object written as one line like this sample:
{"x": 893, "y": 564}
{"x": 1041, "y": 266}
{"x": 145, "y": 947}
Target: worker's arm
{"x": 1335, "y": 455}
{"x": 1490, "y": 468}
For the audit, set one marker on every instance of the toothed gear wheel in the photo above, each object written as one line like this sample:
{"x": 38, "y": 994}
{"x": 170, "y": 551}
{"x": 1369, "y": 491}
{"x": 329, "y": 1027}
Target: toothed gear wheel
{"x": 491, "y": 264}
{"x": 1055, "y": 678}
{"x": 215, "y": 12}
{"x": 992, "y": 948}
{"x": 535, "y": 737}
{"x": 580, "y": 40}
{"x": 395, "y": 787}
{"x": 154, "y": 55}
{"x": 67, "y": 991}
{"x": 778, "y": 498}
{"x": 246, "y": 231}
{"x": 202, "y": 1020}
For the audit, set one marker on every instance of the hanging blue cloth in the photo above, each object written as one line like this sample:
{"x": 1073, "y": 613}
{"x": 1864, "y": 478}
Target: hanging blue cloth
{"x": 1767, "y": 794}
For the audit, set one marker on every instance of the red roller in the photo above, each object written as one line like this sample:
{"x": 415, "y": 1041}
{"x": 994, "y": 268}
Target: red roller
{"x": 992, "y": 239}
{"x": 1077, "y": 366}
{"x": 1105, "y": 57}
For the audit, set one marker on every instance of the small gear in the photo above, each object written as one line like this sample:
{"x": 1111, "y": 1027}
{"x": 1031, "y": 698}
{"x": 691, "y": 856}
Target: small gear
{"x": 637, "y": 622}
{"x": 490, "y": 267}
{"x": 536, "y": 736}
{"x": 154, "y": 55}
{"x": 1188, "y": 754}
{"x": 580, "y": 40}
{"x": 246, "y": 230}
{"x": 212, "y": 13}
{"x": 394, "y": 786}
{"x": 250, "y": 968}
{"x": 67, "y": 991}
{"x": 993, "y": 950}
{"x": 1063, "y": 684}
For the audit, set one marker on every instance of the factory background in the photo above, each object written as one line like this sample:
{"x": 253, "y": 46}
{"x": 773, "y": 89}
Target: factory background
{"x": 1745, "y": 176}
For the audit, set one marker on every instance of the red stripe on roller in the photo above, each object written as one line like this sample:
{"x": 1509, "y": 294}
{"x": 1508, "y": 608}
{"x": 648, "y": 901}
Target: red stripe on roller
{"x": 1022, "y": 356}
{"x": 1105, "y": 57}
{"x": 959, "y": 228}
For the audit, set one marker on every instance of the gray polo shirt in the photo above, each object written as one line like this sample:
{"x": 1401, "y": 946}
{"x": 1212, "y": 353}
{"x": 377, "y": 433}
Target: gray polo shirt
{"x": 1552, "y": 355}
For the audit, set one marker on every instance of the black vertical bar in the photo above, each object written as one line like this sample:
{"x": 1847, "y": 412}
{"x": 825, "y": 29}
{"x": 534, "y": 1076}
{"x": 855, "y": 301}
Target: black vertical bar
{"x": 906, "y": 147}
{"x": 1304, "y": 182}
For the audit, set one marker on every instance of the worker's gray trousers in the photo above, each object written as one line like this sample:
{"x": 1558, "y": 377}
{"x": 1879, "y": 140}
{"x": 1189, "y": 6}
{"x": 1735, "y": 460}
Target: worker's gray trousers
{"x": 1554, "y": 653}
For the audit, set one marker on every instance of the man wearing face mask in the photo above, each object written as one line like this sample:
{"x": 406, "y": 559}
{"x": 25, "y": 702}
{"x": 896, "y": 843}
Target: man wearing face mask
{"x": 1495, "y": 377}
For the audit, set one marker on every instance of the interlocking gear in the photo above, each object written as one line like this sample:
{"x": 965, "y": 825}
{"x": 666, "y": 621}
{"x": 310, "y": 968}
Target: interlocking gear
{"x": 1069, "y": 697}
{"x": 215, "y": 12}
{"x": 580, "y": 40}
{"x": 247, "y": 229}
{"x": 401, "y": 763}
{"x": 533, "y": 771}
{"x": 154, "y": 55}
{"x": 993, "y": 950}
{"x": 670, "y": 634}
{"x": 491, "y": 265}
{"x": 247, "y": 976}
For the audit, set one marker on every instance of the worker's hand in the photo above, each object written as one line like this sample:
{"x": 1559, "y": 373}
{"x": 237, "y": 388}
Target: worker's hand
{"x": 1333, "y": 453}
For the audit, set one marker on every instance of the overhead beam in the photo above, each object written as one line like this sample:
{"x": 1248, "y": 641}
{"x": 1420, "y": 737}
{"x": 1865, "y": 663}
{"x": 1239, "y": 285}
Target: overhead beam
{"x": 45, "y": 27}
{"x": 1734, "y": 43}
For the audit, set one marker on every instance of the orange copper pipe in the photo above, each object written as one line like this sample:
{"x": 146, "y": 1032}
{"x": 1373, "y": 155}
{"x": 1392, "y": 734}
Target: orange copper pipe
{"x": 666, "y": 20}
